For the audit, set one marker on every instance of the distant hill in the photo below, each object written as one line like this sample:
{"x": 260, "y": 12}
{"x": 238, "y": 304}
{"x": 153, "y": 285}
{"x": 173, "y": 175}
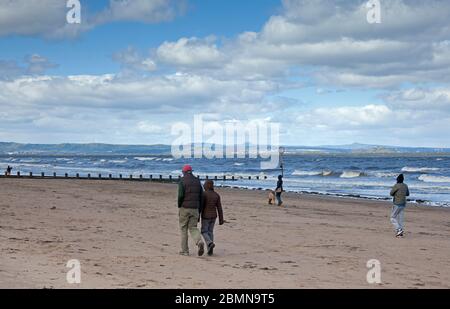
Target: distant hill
{"x": 365, "y": 148}
{"x": 87, "y": 149}
{"x": 111, "y": 149}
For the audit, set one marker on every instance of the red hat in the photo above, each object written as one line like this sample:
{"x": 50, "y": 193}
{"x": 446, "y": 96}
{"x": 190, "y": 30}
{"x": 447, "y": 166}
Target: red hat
{"x": 187, "y": 168}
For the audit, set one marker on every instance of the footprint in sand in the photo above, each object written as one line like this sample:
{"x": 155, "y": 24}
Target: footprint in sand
{"x": 268, "y": 268}
{"x": 249, "y": 265}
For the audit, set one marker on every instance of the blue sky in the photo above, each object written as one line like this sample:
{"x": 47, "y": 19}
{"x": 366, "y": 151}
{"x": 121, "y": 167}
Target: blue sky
{"x": 133, "y": 68}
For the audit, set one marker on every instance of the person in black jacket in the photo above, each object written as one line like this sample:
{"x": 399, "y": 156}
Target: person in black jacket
{"x": 189, "y": 203}
{"x": 279, "y": 190}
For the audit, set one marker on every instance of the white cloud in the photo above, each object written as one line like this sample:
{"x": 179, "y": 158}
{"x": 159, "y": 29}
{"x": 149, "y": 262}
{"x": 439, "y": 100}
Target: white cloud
{"x": 38, "y": 64}
{"x": 376, "y": 124}
{"x": 421, "y": 99}
{"x": 162, "y": 94}
{"x": 334, "y": 40}
{"x": 349, "y": 79}
{"x": 9, "y": 68}
{"x": 123, "y": 110}
{"x": 34, "y": 64}
{"x": 347, "y": 117}
{"x": 191, "y": 52}
{"x": 326, "y": 20}
{"x": 31, "y": 17}
{"x": 149, "y": 127}
{"x": 47, "y": 18}
{"x": 131, "y": 60}
{"x": 139, "y": 10}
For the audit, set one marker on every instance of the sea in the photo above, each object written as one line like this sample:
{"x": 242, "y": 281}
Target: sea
{"x": 346, "y": 175}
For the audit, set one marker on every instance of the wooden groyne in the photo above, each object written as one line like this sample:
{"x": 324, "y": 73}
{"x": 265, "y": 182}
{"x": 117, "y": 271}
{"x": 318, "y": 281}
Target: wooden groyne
{"x": 123, "y": 177}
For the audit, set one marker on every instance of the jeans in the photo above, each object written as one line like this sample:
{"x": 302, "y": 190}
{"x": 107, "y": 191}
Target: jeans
{"x": 208, "y": 230}
{"x": 397, "y": 216}
{"x": 278, "y": 195}
{"x": 188, "y": 222}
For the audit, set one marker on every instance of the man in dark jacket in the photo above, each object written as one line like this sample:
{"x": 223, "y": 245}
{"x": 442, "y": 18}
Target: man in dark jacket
{"x": 189, "y": 204}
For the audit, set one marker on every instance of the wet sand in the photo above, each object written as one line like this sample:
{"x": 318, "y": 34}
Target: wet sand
{"x": 126, "y": 235}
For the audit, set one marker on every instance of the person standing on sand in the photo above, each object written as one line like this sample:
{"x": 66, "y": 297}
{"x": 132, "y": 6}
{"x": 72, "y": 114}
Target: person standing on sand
{"x": 8, "y": 170}
{"x": 279, "y": 189}
{"x": 211, "y": 207}
{"x": 400, "y": 191}
{"x": 189, "y": 204}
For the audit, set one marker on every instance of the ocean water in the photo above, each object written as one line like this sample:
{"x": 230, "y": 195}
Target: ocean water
{"x": 366, "y": 176}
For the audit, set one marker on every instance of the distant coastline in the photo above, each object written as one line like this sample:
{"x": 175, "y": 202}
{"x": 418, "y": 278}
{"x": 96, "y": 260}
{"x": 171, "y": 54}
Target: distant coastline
{"x": 11, "y": 148}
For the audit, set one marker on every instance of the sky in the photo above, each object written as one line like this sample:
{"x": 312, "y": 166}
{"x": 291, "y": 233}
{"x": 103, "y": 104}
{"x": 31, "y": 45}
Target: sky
{"x": 133, "y": 68}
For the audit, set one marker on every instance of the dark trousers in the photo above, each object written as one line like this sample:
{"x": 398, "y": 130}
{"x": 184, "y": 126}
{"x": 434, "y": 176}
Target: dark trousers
{"x": 278, "y": 195}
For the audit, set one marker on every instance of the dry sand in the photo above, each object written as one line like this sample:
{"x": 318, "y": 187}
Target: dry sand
{"x": 126, "y": 235}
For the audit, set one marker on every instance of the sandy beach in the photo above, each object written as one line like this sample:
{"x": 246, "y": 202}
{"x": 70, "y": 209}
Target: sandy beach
{"x": 126, "y": 235}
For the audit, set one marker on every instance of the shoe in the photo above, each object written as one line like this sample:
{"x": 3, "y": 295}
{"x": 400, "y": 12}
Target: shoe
{"x": 399, "y": 233}
{"x": 201, "y": 249}
{"x": 211, "y": 249}
{"x": 184, "y": 253}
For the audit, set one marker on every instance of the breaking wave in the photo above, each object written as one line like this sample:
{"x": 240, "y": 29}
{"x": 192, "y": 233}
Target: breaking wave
{"x": 385, "y": 174}
{"x": 431, "y": 178}
{"x": 117, "y": 161}
{"x": 312, "y": 173}
{"x": 351, "y": 174}
{"x": 408, "y": 169}
{"x": 144, "y": 158}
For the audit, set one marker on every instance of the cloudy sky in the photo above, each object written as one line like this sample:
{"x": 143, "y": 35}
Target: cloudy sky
{"x": 132, "y": 68}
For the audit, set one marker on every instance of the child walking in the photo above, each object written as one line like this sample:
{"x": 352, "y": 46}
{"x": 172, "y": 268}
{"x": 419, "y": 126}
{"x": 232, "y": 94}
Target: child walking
{"x": 211, "y": 208}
